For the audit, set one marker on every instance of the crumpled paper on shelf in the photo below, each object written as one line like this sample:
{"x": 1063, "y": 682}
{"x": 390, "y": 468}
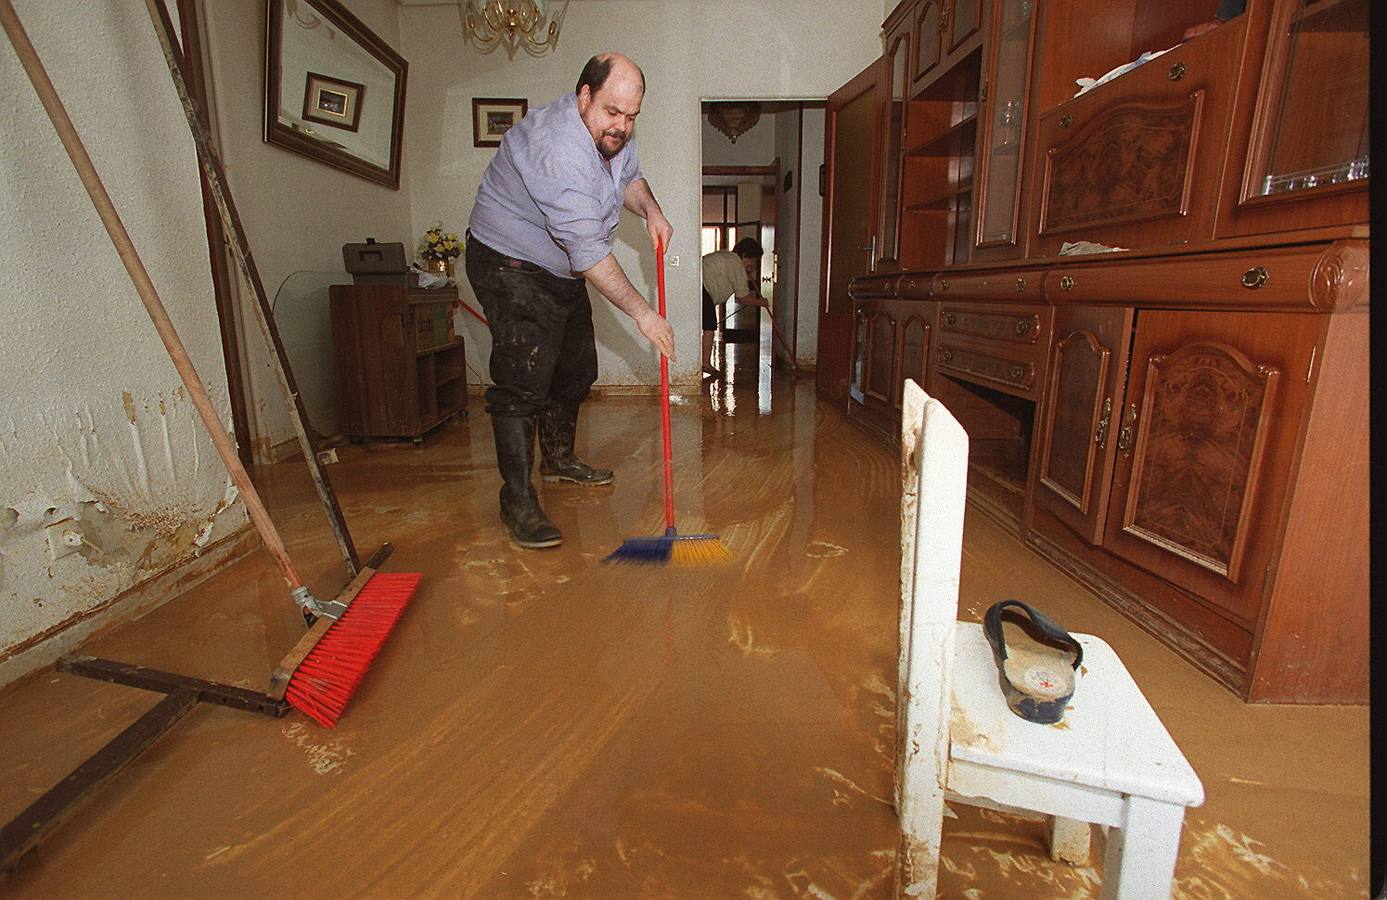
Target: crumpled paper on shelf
{"x": 1088, "y": 84}
{"x": 428, "y": 279}
{"x": 1077, "y": 248}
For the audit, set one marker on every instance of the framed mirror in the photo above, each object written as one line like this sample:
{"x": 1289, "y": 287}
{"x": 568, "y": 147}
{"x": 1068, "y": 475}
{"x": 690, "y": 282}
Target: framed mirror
{"x": 334, "y": 91}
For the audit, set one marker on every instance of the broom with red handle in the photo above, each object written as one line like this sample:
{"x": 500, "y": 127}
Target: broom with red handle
{"x": 376, "y": 605}
{"x": 670, "y": 547}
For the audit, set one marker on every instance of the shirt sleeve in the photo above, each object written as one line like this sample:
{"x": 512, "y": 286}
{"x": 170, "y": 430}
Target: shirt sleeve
{"x": 570, "y": 201}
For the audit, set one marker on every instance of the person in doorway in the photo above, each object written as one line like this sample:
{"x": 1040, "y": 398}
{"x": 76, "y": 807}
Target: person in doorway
{"x": 729, "y": 273}
{"x": 539, "y": 234}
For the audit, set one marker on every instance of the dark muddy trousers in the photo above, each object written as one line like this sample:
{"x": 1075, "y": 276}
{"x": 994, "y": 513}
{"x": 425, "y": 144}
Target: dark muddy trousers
{"x": 542, "y": 345}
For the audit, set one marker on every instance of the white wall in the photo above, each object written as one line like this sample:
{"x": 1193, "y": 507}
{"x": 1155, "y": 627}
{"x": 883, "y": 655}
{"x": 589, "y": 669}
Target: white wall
{"x": 689, "y": 51}
{"x": 754, "y": 147}
{"x": 787, "y": 140}
{"x": 95, "y": 426}
{"x": 811, "y": 210}
{"x": 297, "y": 212}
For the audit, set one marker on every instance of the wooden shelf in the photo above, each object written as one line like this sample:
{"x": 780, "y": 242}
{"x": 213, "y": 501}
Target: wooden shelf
{"x": 1319, "y": 9}
{"x": 448, "y": 346}
{"x": 943, "y": 143}
{"x": 944, "y": 200}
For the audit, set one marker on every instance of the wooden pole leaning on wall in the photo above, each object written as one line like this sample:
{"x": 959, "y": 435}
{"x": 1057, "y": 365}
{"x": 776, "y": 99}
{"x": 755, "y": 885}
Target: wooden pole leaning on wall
{"x": 144, "y": 286}
{"x": 216, "y": 180}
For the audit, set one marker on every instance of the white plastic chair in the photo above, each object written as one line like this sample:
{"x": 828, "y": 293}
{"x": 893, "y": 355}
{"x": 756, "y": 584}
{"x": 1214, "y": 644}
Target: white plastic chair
{"x": 1110, "y": 761}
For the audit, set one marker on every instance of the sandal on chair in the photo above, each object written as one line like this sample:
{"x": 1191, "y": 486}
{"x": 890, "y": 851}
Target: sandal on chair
{"x": 1036, "y": 660}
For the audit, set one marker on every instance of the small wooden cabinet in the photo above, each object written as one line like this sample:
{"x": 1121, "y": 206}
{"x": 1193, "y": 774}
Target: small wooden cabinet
{"x": 892, "y": 342}
{"x": 401, "y": 369}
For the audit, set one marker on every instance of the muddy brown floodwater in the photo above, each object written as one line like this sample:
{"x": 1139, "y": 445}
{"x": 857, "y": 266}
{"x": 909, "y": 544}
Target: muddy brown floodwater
{"x": 544, "y": 725}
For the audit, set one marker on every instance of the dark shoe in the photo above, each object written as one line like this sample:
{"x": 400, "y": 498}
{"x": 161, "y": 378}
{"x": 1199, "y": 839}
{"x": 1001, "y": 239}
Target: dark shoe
{"x": 1036, "y": 660}
{"x": 558, "y": 428}
{"x": 520, "y": 511}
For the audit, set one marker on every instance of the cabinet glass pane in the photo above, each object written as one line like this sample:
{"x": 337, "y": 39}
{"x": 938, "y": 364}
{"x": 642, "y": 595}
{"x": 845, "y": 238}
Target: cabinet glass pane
{"x": 895, "y": 139}
{"x": 1006, "y": 114}
{"x": 1319, "y": 126}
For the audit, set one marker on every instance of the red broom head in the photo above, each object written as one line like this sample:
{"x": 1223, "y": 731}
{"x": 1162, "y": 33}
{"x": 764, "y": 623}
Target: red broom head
{"x": 328, "y": 676}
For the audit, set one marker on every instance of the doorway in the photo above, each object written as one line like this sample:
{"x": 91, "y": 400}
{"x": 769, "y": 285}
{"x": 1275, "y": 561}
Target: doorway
{"x": 755, "y": 154}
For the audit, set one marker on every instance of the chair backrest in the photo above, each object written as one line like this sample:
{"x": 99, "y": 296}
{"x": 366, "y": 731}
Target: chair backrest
{"x": 934, "y": 472}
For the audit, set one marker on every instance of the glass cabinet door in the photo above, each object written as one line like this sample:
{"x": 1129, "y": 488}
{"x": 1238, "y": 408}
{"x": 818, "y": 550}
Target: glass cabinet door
{"x": 1007, "y": 98}
{"x": 1314, "y": 131}
{"x": 897, "y": 57}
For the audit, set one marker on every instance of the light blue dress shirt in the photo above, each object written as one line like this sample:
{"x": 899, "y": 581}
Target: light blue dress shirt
{"x": 548, "y": 196}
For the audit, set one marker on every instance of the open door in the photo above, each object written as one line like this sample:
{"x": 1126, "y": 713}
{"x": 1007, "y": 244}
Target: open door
{"x": 851, "y": 176}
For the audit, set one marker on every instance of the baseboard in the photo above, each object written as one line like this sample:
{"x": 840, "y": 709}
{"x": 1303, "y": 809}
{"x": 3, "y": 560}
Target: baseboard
{"x": 41, "y": 650}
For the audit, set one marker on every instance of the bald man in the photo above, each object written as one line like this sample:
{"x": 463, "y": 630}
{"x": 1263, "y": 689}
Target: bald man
{"x": 539, "y": 234}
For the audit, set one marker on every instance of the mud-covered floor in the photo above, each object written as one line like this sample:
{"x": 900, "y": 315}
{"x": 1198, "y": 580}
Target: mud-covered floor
{"x": 543, "y": 725}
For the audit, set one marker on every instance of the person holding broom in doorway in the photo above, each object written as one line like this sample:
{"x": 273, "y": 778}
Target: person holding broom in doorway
{"x": 539, "y": 234}
{"x": 728, "y": 273}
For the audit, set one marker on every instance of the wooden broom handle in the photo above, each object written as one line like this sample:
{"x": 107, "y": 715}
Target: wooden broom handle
{"x": 131, "y": 259}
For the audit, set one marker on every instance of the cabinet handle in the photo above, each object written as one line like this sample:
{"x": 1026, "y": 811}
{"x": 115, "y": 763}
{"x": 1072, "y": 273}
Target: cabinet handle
{"x": 943, "y": 19}
{"x": 982, "y": 94}
{"x": 1255, "y": 277}
{"x": 1066, "y": 120}
{"x": 1066, "y": 282}
{"x": 950, "y": 319}
{"x": 946, "y": 356}
{"x": 1017, "y": 372}
{"x": 1023, "y": 326}
{"x": 1100, "y": 437}
{"x": 943, "y": 284}
{"x": 1020, "y": 284}
{"x": 1124, "y": 437}
{"x": 1177, "y": 71}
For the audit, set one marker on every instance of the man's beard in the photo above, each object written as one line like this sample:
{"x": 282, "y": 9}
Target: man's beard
{"x": 602, "y": 145}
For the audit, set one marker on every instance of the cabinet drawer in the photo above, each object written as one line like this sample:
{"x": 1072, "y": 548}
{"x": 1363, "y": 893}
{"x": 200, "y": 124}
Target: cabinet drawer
{"x": 1013, "y": 373}
{"x": 1318, "y": 277}
{"x": 1006, "y": 285}
{"x": 915, "y": 286}
{"x": 870, "y": 286}
{"x": 1136, "y": 162}
{"x": 1010, "y": 326}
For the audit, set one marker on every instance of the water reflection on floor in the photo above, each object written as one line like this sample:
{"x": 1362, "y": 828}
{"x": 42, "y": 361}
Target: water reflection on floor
{"x": 543, "y": 725}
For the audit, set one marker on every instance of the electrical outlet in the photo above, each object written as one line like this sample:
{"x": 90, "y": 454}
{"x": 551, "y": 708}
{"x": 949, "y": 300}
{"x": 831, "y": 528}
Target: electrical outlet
{"x": 674, "y": 262}
{"x": 64, "y": 539}
{"x": 327, "y": 457}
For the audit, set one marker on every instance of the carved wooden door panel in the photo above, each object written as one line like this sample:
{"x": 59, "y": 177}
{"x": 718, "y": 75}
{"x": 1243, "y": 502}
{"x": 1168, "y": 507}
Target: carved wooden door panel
{"x": 1205, "y": 439}
{"x": 929, "y": 40}
{"x": 881, "y": 353}
{"x": 1078, "y": 425}
{"x": 916, "y": 331}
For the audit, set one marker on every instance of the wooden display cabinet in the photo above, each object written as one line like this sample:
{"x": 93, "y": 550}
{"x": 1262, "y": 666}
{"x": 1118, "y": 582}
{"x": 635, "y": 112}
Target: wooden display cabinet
{"x": 1006, "y": 109}
{"x": 400, "y": 368}
{"x": 1299, "y": 158}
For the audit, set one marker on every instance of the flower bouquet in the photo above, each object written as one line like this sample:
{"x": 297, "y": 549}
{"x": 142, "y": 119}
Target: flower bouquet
{"x": 439, "y": 248}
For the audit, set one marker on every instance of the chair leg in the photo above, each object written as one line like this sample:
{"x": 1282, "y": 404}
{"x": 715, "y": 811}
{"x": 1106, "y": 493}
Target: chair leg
{"x": 1069, "y": 841}
{"x": 1139, "y": 861}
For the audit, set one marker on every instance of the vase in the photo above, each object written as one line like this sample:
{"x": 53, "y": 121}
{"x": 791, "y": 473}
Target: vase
{"x": 448, "y": 267}
{"x": 439, "y": 265}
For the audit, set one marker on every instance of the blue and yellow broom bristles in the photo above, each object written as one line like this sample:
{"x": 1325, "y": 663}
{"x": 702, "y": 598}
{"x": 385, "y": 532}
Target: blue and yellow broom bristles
{"x": 676, "y": 549}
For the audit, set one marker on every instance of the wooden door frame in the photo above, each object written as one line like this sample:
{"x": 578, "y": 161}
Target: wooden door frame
{"x": 751, "y": 173}
{"x": 190, "y": 33}
{"x": 869, "y": 79}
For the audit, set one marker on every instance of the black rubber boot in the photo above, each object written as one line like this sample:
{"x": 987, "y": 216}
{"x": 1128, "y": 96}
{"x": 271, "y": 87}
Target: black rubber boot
{"x": 520, "y": 512}
{"x": 558, "y": 426}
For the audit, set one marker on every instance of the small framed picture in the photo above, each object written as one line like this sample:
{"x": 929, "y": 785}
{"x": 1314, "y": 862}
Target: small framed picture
{"x": 492, "y": 117}
{"x": 332, "y": 101}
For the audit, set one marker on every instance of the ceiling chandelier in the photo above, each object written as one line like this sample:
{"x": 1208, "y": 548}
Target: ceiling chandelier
{"x": 734, "y": 119}
{"x": 512, "y": 23}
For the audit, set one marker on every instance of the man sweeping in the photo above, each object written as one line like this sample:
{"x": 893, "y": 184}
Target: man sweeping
{"x": 540, "y": 232}
{"x": 729, "y": 273}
